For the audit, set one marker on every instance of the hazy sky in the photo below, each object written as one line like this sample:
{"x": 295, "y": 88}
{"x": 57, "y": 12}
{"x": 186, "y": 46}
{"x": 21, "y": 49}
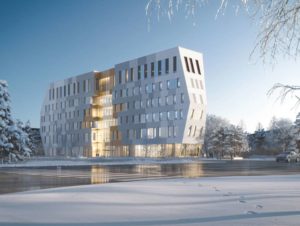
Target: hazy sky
{"x": 44, "y": 41}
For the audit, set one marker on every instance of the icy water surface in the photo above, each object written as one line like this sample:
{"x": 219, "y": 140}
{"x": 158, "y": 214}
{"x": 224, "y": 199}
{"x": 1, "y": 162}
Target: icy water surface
{"x": 23, "y": 179}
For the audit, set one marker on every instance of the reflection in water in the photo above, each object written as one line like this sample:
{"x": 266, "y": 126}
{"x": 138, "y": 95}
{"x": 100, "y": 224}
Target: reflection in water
{"x": 99, "y": 175}
{"x": 18, "y": 179}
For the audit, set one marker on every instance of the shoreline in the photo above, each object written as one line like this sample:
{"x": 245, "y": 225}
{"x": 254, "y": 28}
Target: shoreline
{"x": 58, "y": 162}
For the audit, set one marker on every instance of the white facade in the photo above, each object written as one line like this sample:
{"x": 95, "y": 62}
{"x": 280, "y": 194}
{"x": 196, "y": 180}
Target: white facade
{"x": 147, "y": 105}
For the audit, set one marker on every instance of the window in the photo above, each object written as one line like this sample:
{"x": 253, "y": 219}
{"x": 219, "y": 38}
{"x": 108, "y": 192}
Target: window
{"x": 197, "y": 85}
{"x": 198, "y": 67}
{"x": 65, "y": 91}
{"x": 149, "y": 88}
{"x": 160, "y": 86}
{"x": 174, "y": 64}
{"x": 49, "y": 94}
{"x": 145, "y": 71}
{"x": 180, "y": 114}
{"x": 201, "y": 84}
{"x": 201, "y": 99}
{"x": 60, "y": 91}
{"x": 172, "y": 84}
{"x": 151, "y": 133}
{"x": 170, "y": 131}
{"x": 78, "y": 87}
{"x": 186, "y": 64}
{"x": 160, "y": 101}
{"x": 182, "y": 98}
{"x": 152, "y": 69}
{"x": 126, "y": 75}
{"x": 121, "y": 93}
{"x": 193, "y": 112}
{"x": 178, "y": 83}
{"x": 144, "y": 133}
{"x": 167, "y": 66}
{"x": 131, "y": 74}
{"x": 195, "y": 129}
{"x": 190, "y": 131}
{"x": 174, "y": 99}
{"x": 192, "y": 65}
{"x": 148, "y": 103}
{"x": 192, "y": 82}
{"x": 139, "y": 72}
{"x": 148, "y": 117}
{"x": 120, "y": 77}
{"x": 159, "y": 67}
{"x": 69, "y": 89}
{"x": 194, "y": 97}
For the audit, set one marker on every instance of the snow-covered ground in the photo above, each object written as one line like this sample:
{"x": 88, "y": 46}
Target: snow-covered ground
{"x": 226, "y": 201}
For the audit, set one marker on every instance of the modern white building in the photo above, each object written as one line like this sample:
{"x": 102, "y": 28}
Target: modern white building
{"x": 150, "y": 106}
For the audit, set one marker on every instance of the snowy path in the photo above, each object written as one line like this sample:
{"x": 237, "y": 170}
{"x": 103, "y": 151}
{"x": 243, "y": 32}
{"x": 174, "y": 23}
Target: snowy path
{"x": 256, "y": 200}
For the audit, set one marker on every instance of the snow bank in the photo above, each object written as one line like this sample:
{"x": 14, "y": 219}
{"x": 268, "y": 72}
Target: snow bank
{"x": 227, "y": 201}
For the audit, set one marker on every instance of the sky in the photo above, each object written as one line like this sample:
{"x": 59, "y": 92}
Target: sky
{"x": 44, "y": 41}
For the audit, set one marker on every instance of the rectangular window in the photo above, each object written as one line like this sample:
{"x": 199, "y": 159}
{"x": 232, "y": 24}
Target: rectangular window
{"x": 160, "y": 86}
{"x": 120, "y": 77}
{"x": 131, "y": 74}
{"x": 65, "y": 90}
{"x": 139, "y": 72}
{"x": 174, "y": 64}
{"x": 159, "y": 67}
{"x": 60, "y": 92}
{"x": 192, "y": 82}
{"x": 49, "y": 94}
{"x": 178, "y": 83}
{"x": 126, "y": 75}
{"x": 186, "y": 64}
{"x": 167, "y": 66}
{"x": 193, "y": 112}
{"x": 145, "y": 71}
{"x": 78, "y": 87}
{"x": 74, "y": 88}
{"x": 198, "y": 67}
{"x": 152, "y": 69}
{"x": 182, "y": 98}
{"x": 192, "y": 65}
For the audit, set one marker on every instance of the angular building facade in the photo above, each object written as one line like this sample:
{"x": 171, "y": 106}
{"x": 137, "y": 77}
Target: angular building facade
{"x": 152, "y": 106}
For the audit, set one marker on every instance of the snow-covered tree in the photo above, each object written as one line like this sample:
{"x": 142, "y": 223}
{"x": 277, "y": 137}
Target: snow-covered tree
{"x": 282, "y": 132}
{"x": 223, "y": 138}
{"x": 295, "y": 142}
{"x": 6, "y": 121}
{"x": 213, "y": 124}
{"x": 13, "y": 140}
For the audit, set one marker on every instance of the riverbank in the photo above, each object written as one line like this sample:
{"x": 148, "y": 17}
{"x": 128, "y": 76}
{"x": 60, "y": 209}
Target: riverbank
{"x": 246, "y": 200}
{"x": 56, "y": 161}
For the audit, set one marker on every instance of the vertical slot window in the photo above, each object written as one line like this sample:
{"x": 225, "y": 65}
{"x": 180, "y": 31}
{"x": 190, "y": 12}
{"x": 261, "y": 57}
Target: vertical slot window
{"x": 186, "y": 64}
{"x": 159, "y": 67}
{"x": 145, "y": 71}
{"x": 131, "y": 74}
{"x": 152, "y": 69}
{"x": 120, "y": 77}
{"x": 139, "y": 72}
{"x": 167, "y": 66}
{"x": 198, "y": 67}
{"x": 192, "y": 65}
{"x": 174, "y": 64}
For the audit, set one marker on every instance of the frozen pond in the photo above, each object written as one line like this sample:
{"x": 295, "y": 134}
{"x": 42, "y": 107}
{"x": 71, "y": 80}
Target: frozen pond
{"x": 23, "y": 179}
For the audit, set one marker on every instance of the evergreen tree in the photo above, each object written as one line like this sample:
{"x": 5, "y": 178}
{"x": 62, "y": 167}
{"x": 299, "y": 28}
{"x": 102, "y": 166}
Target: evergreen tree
{"x": 13, "y": 140}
